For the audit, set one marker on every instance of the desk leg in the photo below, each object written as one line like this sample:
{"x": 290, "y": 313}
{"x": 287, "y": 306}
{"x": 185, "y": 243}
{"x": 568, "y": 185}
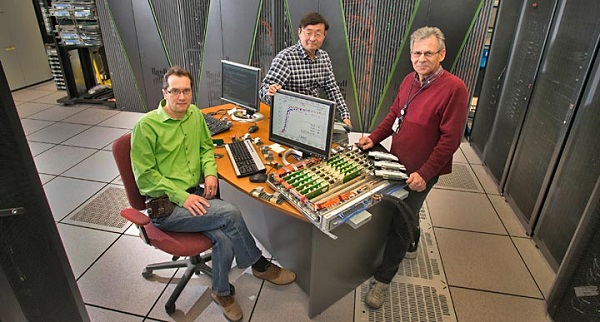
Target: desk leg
{"x": 326, "y": 269}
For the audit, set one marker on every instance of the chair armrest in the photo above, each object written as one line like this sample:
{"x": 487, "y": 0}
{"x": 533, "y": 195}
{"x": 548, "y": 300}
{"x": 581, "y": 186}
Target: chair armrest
{"x": 135, "y": 216}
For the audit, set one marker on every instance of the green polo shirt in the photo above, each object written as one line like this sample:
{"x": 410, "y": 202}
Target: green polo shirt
{"x": 170, "y": 156}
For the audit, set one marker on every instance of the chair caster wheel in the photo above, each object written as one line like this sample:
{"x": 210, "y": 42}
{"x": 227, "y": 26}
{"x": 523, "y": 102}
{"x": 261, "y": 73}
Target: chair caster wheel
{"x": 170, "y": 308}
{"x": 146, "y": 273}
{"x": 231, "y": 289}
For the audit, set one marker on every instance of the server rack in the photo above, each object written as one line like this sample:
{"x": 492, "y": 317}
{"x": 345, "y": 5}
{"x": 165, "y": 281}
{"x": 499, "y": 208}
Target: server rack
{"x": 575, "y": 294}
{"x": 564, "y": 72}
{"x": 495, "y": 72}
{"x": 577, "y": 171}
{"x": 75, "y": 50}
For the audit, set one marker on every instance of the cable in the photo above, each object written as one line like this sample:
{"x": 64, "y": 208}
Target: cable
{"x": 406, "y": 213}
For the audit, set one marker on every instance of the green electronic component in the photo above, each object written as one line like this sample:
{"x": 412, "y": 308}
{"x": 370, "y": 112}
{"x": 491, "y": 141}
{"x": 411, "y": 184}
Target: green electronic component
{"x": 334, "y": 159}
{"x": 317, "y": 191}
{"x": 218, "y": 142}
{"x": 351, "y": 175}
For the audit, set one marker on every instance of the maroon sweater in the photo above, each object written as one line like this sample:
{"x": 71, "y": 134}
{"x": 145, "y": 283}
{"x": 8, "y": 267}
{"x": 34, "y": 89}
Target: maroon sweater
{"x": 433, "y": 125}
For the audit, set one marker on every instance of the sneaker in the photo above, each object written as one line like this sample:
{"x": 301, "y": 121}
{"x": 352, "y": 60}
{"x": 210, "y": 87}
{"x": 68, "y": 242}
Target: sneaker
{"x": 411, "y": 253}
{"x": 276, "y": 275}
{"x": 231, "y": 309}
{"x": 376, "y": 295}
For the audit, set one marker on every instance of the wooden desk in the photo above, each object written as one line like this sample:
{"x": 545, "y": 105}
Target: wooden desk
{"x": 225, "y": 169}
{"x": 326, "y": 269}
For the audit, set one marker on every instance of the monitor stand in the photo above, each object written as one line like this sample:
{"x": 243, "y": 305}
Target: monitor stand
{"x": 242, "y": 116}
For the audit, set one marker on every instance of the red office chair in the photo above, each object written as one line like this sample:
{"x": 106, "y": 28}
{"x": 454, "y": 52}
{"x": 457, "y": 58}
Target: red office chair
{"x": 195, "y": 246}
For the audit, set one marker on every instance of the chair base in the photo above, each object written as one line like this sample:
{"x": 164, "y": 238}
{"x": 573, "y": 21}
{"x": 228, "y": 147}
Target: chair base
{"x": 194, "y": 265}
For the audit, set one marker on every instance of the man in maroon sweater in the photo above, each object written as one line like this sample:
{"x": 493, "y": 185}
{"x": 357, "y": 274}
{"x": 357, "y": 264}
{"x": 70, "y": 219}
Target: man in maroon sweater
{"x": 426, "y": 122}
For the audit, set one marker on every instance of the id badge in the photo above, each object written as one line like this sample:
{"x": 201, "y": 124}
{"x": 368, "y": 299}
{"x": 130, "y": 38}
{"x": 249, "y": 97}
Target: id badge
{"x": 396, "y": 125}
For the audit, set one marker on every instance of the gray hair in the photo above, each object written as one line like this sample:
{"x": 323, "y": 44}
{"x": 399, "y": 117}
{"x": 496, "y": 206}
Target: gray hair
{"x": 426, "y": 32}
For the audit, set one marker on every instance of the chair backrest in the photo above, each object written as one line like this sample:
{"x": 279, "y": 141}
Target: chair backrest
{"x": 177, "y": 244}
{"x": 121, "y": 150}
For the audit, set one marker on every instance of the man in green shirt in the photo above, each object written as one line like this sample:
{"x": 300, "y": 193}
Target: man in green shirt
{"x": 171, "y": 153}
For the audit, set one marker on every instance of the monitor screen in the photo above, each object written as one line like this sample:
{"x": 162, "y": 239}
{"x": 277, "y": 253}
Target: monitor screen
{"x": 302, "y": 122}
{"x": 239, "y": 85}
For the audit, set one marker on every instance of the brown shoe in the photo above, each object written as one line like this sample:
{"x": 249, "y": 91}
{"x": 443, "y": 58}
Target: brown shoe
{"x": 231, "y": 309}
{"x": 276, "y": 275}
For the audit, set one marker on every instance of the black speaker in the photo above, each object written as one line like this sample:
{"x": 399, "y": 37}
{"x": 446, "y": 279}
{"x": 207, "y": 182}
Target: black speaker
{"x": 575, "y": 293}
{"x": 36, "y": 280}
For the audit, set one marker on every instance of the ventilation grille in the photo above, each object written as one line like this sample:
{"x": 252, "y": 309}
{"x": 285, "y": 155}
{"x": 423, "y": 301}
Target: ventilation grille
{"x": 375, "y": 33}
{"x": 467, "y": 65}
{"x": 274, "y": 34}
{"x": 425, "y": 265}
{"x": 462, "y": 178}
{"x": 418, "y": 292}
{"x": 193, "y": 34}
{"x": 182, "y": 25}
{"x": 124, "y": 84}
{"x": 409, "y": 302}
{"x": 103, "y": 211}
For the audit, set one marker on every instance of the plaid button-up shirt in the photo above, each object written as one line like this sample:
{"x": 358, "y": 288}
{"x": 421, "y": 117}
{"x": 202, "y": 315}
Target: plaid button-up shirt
{"x": 295, "y": 71}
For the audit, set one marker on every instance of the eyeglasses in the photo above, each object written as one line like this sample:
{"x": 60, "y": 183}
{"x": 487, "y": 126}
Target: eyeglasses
{"x": 176, "y": 92}
{"x": 309, "y": 34}
{"x": 427, "y": 54}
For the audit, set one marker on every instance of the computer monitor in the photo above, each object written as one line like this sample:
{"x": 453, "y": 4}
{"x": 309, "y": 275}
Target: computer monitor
{"x": 302, "y": 122}
{"x": 239, "y": 86}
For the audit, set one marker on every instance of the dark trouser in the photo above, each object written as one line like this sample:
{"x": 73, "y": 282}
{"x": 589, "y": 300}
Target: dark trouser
{"x": 399, "y": 239}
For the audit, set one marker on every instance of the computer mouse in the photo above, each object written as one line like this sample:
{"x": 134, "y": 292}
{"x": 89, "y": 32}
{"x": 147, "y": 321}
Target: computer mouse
{"x": 252, "y": 129}
{"x": 258, "y": 177}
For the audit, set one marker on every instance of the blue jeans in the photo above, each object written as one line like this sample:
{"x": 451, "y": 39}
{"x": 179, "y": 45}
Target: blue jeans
{"x": 224, "y": 226}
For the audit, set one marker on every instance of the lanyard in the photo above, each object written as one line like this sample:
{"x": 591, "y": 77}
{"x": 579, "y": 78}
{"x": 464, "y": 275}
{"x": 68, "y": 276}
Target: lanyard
{"x": 399, "y": 119}
{"x": 409, "y": 99}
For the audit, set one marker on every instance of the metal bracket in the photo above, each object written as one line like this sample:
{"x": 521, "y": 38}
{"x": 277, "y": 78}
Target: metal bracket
{"x": 11, "y": 211}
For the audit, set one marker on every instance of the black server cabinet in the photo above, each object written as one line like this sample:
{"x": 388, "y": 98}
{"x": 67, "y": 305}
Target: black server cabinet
{"x": 563, "y": 73}
{"x": 577, "y": 172}
{"x": 36, "y": 281}
{"x": 574, "y": 295}
{"x": 534, "y": 24}
{"x": 505, "y": 29}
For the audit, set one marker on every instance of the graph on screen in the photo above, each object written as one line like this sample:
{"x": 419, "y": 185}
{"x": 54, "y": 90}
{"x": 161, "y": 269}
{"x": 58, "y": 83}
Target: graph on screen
{"x": 302, "y": 122}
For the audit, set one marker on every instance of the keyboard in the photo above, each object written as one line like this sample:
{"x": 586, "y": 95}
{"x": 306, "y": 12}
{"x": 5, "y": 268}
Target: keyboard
{"x": 244, "y": 158}
{"x": 216, "y": 125}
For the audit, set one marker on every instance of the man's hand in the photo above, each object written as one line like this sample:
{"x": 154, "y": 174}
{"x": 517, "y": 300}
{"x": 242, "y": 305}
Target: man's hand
{"x": 196, "y": 205}
{"x": 365, "y": 143}
{"x": 348, "y": 122}
{"x": 211, "y": 184}
{"x": 273, "y": 88}
{"x": 415, "y": 182}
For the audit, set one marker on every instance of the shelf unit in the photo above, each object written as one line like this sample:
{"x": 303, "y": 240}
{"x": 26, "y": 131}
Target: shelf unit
{"x": 76, "y": 51}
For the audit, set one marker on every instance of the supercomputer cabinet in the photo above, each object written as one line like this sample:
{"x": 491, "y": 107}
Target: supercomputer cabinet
{"x": 519, "y": 78}
{"x": 36, "y": 280}
{"x": 367, "y": 42}
{"x": 574, "y": 178}
{"x": 575, "y": 293}
{"x": 488, "y": 101}
{"x": 540, "y": 148}
{"x": 557, "y": 97}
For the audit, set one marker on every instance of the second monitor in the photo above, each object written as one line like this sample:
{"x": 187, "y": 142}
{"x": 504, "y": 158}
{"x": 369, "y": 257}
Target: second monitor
{"x": 239, "y": 86}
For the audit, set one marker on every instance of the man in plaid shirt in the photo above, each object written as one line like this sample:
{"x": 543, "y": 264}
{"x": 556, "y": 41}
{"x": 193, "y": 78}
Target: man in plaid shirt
{"x": 305, "y": 68}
